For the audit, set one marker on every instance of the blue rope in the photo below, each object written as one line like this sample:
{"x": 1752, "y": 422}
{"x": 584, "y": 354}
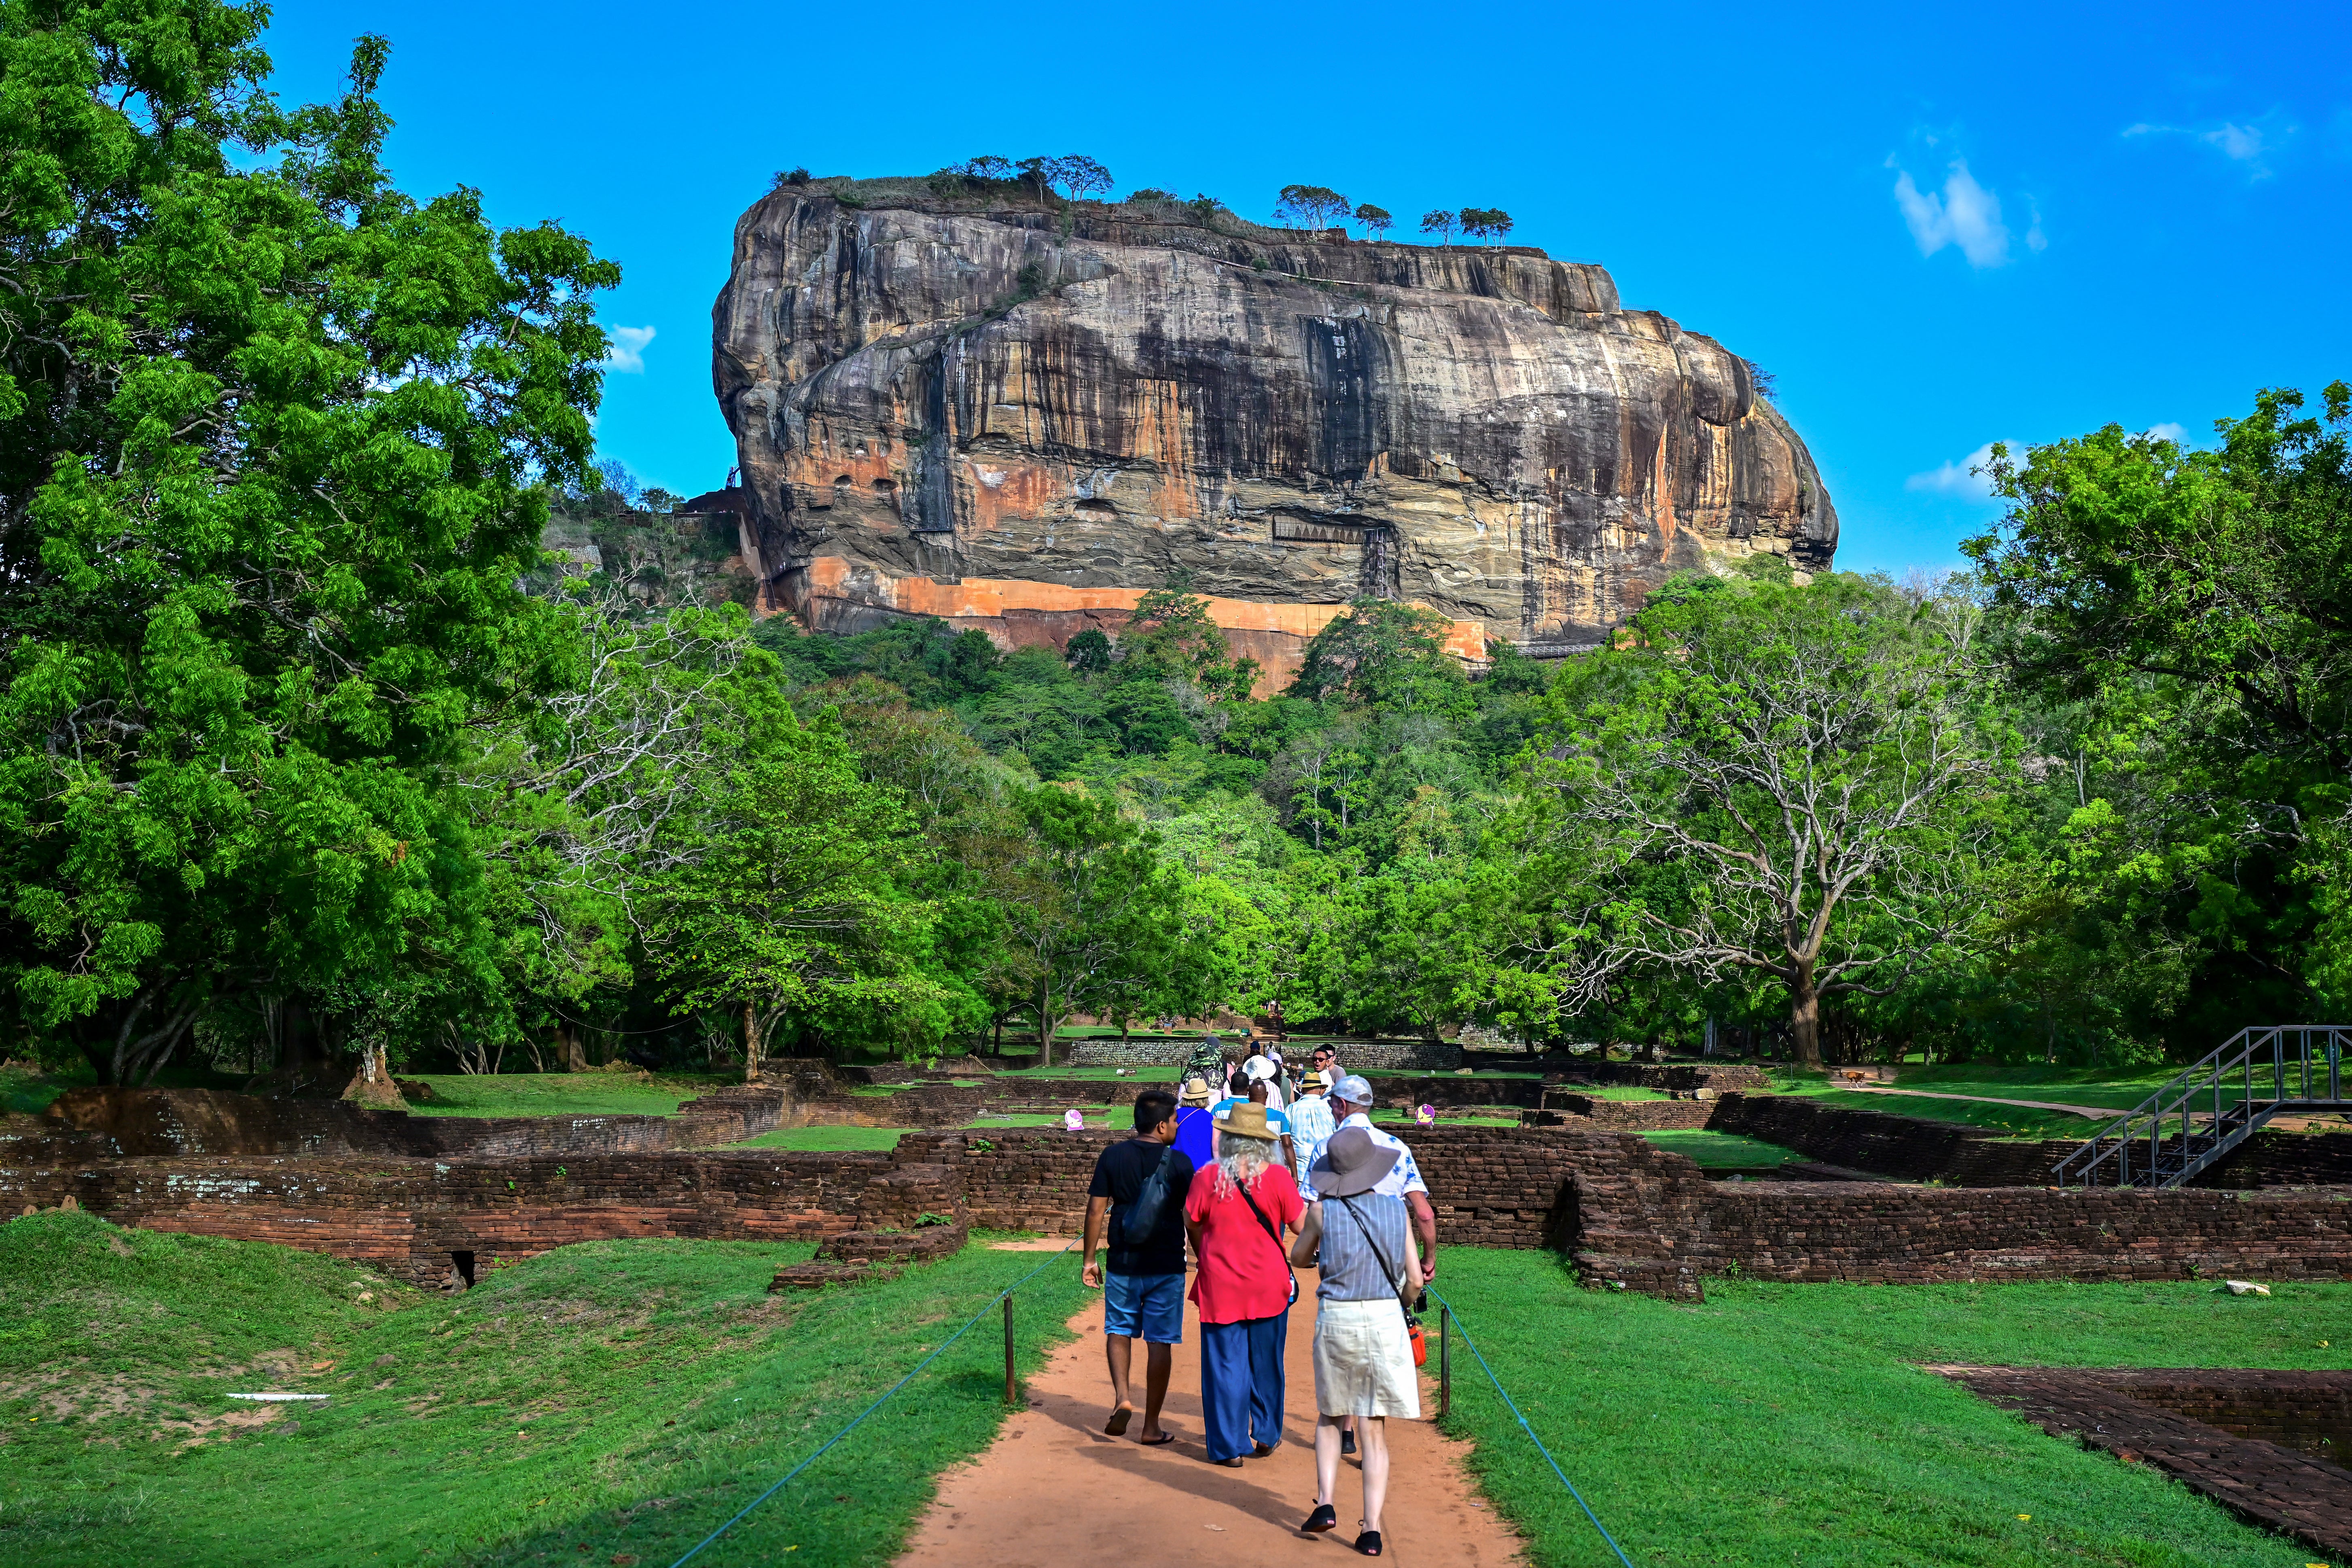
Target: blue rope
{"x": 877, "y": 1405}
{"x": 1532, "y": 1434}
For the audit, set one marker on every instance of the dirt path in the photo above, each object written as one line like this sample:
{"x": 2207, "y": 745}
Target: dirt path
{"x": 1053, "y": 1490}
{"x": 2096, "y": 1111}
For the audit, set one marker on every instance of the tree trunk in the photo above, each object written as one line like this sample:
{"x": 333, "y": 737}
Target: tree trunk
{"x": 1044, "y": 1025}
{"x": 1805, "y": 1020}
{"x": 751, "y": 1043}
{"x": 567, "y": 1048}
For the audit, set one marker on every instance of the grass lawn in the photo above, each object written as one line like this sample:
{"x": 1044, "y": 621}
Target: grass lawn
{"x": 2013, "y": 1121}
{"x": 26, "y": 1092}
{"x": 828, "y": 1140}
{"x": 1784, "y": 1424}
{"x": 1724, "y": 1149}
{"x": 608, "y": 1403}
{"x": 562, "y": 1093}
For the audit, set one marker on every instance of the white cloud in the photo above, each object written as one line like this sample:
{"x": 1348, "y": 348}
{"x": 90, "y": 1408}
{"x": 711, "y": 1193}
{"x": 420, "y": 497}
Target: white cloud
{"x": 2247, "y": 144}
{"x": 2168, "y": 431}
{"x": 1966, "y": 215}
{"x": 1960, "y": 480}
{"x": 627, "y": 353}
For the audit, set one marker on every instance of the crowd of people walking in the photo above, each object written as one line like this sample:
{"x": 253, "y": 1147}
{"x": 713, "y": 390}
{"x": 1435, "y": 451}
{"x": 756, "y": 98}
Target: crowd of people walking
{"x": 1260, "y": 1170}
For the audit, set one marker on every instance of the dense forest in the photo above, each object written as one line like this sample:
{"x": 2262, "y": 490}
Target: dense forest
{"x": 313, "y": 747}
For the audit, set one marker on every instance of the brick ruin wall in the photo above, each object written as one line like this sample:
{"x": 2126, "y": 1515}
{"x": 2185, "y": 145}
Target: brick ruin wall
{"x": 1918, "y": 1149}
{"x": 1626, "y": 1210}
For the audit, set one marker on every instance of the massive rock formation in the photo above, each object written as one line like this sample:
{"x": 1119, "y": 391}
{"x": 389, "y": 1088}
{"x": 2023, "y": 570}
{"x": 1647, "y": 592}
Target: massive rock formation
{"x": 1020, "y": 420}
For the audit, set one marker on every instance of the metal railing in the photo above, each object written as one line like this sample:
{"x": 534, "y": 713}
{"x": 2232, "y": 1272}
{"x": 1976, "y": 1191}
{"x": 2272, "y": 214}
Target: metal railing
{"x": 2211, "y": 1108}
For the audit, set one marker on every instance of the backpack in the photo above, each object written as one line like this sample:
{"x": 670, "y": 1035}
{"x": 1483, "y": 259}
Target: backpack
{"x": 1142, "y": 1217}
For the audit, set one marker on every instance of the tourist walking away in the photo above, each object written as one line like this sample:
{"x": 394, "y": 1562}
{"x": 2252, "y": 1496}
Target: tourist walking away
{"x": 1137, "y": 1202}
{"x": 1360, "y": 1238}
{"x": 1311, "y": 1121}
{"x": 1206, "y": 1063}
{"x": 1352, "y": 1106}
{"x": 1261, "y": 1069}
{"x": 1237, "y": 1214}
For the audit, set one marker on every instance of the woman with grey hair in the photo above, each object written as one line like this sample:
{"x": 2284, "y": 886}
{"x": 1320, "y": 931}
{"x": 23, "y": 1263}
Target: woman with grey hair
{"x": 1236, "y": 1213}
{"x": 1361, "y": 1240}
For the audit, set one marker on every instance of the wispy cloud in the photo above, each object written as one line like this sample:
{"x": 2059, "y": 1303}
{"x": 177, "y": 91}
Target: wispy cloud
{"x": 1962, "y": 480}
{"x": 627, "y": 354}
{"x": 1965, "y": 214}
{"x": 2168, "y": 431}
{"x": 2248, "y": 145}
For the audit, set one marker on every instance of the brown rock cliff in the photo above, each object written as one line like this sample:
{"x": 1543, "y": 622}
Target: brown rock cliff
{"x": 1020, "y": 420}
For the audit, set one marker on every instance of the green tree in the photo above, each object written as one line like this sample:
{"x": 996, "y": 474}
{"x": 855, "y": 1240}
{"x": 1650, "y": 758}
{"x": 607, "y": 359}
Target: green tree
{"x": 1783, "y": 782}
{"x": 1310, "y": 206}
{"x": 1440, "y": 222}
{"x": 786, "y": 899}
{"x": 1094, "y": 919}
{"x": 1385, "y": 655}
{"x": 274, "y": 439}
{"x": 1376, "y": 222}
{"x": 2199, "y": 604}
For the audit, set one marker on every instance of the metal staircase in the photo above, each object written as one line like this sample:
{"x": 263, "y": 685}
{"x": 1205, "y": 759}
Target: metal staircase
{"x": 2213, "y": 1107}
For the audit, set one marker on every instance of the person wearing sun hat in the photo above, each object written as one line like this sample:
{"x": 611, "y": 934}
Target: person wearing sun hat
{"x": 1261, "y": 1070}
{"x": 1236, "y": 1212}
{"x": 1360, "y": 1239}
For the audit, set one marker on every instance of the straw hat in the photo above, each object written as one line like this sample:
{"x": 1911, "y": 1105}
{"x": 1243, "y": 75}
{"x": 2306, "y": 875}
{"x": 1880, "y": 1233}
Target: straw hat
{"x": 1196, "y": 1094}
{"x": 1350, "y": 1164}
{"x": 1248, "y": 1119}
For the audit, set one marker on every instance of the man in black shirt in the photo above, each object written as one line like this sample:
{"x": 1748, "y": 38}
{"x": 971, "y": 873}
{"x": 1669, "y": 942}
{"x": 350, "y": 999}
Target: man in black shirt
{"x": 1144, "y": 1296}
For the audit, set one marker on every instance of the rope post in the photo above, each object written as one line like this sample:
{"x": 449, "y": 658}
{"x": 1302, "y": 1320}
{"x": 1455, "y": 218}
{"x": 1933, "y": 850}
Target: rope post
{"x": 1012, "y": 1391}
{"x": 1445, "y": 1364}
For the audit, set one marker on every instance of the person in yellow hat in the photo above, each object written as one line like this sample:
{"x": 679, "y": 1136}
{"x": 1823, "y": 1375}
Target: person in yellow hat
{"x": 1237, "y": 1214}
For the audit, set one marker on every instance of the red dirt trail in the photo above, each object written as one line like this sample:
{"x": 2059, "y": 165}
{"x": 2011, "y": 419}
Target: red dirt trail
{"x": 1053, "y": 1490}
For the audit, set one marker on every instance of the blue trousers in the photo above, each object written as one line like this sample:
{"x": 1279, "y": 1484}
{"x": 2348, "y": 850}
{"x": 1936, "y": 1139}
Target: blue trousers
{"x": 1241, "y": 1384}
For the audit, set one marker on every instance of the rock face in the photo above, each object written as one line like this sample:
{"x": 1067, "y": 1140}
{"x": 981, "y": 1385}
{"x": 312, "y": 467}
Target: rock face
{"x": 1020, "y": 420}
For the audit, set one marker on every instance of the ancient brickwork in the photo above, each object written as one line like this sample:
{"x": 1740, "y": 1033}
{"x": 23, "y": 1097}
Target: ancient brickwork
{"x": 1632, "y": 1115}
{"x": 1360, "y": 1056}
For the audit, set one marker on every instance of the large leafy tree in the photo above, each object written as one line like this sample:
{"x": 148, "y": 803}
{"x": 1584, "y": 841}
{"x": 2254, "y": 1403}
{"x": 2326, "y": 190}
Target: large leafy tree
{"x": 273, "y": 444}
{"x": 2194, "y": 610}
{"x": 1766, "y": 780}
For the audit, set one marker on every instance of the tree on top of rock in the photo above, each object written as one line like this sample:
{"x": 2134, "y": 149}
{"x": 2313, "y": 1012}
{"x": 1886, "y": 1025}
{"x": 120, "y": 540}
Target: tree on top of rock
{"x": 1489, "y": 224}
{"x": 1374, "y": 221}
{"x": 1311, "y": 206}
{"x": 1442, "y": 224}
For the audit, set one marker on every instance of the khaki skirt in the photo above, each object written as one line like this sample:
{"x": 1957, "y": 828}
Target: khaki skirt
{"x": 1363, "y": 1360}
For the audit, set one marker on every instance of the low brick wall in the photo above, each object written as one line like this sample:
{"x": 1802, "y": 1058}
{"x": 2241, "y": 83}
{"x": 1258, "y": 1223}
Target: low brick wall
{"x": 410, "y": 1217}
{"x": 1910, "y": 1147}
{"x": 1388, "y": 1055}
{"x": 86, "y": 1123}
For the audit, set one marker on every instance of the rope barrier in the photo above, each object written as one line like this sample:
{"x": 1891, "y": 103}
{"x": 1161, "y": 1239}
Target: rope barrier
{"x": 1530, "y": 1431}
{"x": 877, "y": 1405}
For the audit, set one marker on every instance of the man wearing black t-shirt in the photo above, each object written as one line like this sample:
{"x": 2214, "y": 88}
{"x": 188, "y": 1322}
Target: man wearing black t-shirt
{"x": 1144, "y": 1296}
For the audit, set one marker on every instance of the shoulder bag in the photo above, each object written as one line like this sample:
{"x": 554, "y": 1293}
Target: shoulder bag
{"x": 1274, "y": 1237}
{"x": 1412, "y": 1319}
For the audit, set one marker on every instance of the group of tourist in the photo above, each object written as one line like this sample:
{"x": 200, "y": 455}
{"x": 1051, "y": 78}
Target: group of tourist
{"x": 1284, "y": 1174}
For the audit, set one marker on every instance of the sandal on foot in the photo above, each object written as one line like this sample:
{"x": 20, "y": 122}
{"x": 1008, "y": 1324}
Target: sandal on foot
{"x": 1117, "y": 1425}
{"x": 1232, "y": 1464}
{"x": 1346, "y": 1444}
{"x": 1324, "y": 1516}
{"x": 1369, "y": 1544}
{"x": 1261, "y": 1451}
{"x": 1160, "y": 1442}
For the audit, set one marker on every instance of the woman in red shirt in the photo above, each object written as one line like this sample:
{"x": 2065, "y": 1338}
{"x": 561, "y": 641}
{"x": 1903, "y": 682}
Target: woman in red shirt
{"x": 1236, "y": 1213}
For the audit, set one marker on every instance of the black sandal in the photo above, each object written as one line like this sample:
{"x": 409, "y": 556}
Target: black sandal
{"x": 1369, "y": 1544}
{"x": 1324, "y": 1516}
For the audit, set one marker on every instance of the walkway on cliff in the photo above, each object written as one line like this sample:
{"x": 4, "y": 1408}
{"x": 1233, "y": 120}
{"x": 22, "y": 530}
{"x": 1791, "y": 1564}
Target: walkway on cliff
{"x": 1054, "y": 1491}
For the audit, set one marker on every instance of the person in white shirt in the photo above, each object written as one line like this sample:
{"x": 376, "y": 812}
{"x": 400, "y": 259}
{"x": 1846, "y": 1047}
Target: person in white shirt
{"x": 1351, "y": 1105}
{"x": 1311, "y": 1121}
{"x": 1258, "y": 1070}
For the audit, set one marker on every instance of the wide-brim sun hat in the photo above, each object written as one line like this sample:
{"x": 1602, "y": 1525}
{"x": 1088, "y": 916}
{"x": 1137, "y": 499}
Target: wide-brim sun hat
{"x": 1257, "y": 1066}
{"x": 1352, "y": 1165}
{"x": 1247, "y": 1118}
{"x": 1196, "y": 1094}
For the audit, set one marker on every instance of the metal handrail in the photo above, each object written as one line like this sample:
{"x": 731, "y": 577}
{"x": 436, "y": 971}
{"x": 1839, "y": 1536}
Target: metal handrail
{"x": 2148, "y": 1156}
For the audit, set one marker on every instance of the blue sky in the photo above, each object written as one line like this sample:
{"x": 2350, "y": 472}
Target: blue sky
{"x": 1936, "y": 228}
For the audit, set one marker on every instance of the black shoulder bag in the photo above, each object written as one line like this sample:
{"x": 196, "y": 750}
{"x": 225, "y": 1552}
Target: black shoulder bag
{"x": 1274, "y": 1237}
{"x": 1411, "y": 1319}
{"x": 1142, "y": 1215}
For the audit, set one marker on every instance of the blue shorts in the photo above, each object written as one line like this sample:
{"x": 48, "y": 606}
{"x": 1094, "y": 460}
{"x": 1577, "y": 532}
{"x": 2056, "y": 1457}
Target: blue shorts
{"x": 1149, "y": 1307}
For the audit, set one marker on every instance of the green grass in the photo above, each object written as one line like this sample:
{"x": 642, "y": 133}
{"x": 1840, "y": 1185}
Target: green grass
{"x": 562, "y": 1093}
{"x": 609, "y": 1402}
{"x": 28, "y": 1091}
{"x": 2010, "y": 1119}
{"x": 828, "y": 1140}
{"x": 1778, "y": 1424}
{"x": 1724, "y": 1149}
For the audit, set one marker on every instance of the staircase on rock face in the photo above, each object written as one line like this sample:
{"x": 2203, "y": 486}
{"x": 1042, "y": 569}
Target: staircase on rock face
{"x": 2267, "y": 1070}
